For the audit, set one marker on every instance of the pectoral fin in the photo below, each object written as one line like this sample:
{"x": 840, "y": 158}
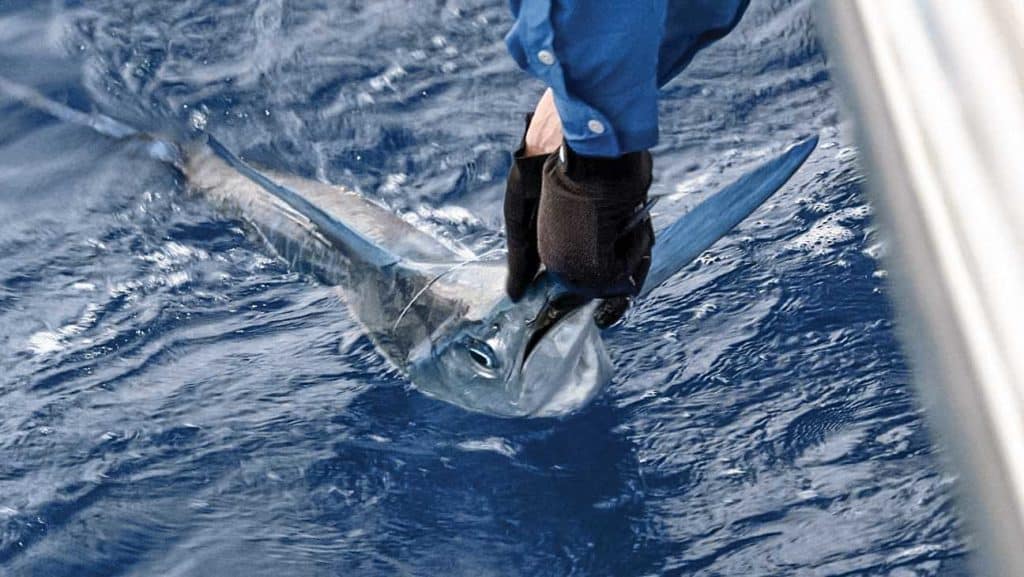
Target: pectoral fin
{"x": 694, "y": 232}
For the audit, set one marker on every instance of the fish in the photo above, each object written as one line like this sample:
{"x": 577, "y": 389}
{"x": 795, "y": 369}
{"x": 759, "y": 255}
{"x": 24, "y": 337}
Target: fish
{"x": 437, "y": 313}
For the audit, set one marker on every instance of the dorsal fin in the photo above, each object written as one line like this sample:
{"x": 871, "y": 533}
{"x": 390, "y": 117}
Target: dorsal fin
{"x": 341, "y": 235}
{"x": 712, "y": 219}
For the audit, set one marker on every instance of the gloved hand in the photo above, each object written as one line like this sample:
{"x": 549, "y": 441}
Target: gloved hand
{"x": 522, "y": 200}
{"x": 597, "y": 235}
{"x": 593, "y": 228}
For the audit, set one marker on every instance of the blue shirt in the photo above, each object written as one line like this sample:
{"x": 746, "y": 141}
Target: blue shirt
{"x": 606, "y": 59}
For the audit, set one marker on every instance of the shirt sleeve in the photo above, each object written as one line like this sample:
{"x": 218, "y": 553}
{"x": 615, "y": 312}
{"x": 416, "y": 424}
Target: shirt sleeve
{"x": 600, "y": 58}
{"x": 605, "y": 60}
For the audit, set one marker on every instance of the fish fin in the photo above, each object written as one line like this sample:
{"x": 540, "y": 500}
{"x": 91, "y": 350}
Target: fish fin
{"x": 34, "y": 99}
{"x": 342, "y": 236}
{"x": 159, "y": 148}
{"x": 697, "y": 230}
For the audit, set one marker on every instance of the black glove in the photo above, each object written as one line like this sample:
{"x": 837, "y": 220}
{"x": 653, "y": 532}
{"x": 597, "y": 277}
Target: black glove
{"x": 609, "y": 195}
{"x": 593, "y": 229}
{"x": 522, "y": 199}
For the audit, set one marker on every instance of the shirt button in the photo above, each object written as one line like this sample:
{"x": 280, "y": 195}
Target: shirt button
{"x": 596, "y": 126}
{"x": 546, "y": 57}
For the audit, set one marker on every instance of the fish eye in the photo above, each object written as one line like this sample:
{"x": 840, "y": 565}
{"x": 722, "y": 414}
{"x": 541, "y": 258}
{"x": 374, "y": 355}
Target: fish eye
{"x": 482, "y": 354}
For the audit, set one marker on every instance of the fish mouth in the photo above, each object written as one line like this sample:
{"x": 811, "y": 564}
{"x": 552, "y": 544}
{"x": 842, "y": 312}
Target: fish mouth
{"x": 564, "y": 363}
{"x": 554, "y": 310}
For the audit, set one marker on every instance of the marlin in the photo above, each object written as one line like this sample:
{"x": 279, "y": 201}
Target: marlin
{"x": 443, "y": 319}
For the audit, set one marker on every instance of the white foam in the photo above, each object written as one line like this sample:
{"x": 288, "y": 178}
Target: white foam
{"x": 394, "y": 182}
{"x": 177, "y": 278}
{"x": 733, "y": 472}
{"x": 174, "y": 254}
{"x": 831, "y": 231}
{"x": 45, "y": 342}
{"x": 491, "y": 444}
{"x": 822, "y": 237}
{"x": 387, "y": 78}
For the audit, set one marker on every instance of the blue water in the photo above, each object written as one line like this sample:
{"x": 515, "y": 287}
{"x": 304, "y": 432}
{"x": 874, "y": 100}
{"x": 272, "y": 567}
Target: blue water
{"x": 176, "y": 402}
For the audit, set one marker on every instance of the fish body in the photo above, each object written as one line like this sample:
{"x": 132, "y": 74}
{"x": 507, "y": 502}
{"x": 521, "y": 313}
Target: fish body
{"x": 432, "y": 309}
{"x": 440, "y": 317}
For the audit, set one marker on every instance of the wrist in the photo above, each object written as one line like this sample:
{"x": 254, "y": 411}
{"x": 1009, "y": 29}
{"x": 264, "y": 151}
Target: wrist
{"x": 629, "y": 166}
{"x": 544, "y": 134}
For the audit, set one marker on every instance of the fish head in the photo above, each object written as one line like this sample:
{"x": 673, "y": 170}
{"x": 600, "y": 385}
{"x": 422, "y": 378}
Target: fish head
{"x": 540, "y": 357}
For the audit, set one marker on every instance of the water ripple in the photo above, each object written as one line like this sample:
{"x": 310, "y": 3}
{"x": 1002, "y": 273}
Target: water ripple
{"x": 177, "y": 402}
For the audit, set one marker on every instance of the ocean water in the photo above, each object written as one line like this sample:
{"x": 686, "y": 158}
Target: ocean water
{"x": 176, "y": 402}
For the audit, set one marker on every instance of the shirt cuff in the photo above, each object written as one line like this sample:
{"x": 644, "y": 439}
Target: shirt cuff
{"x": 591, "y": 133}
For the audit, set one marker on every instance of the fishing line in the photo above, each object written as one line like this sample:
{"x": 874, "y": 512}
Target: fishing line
{"x": 438, "y": 277}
